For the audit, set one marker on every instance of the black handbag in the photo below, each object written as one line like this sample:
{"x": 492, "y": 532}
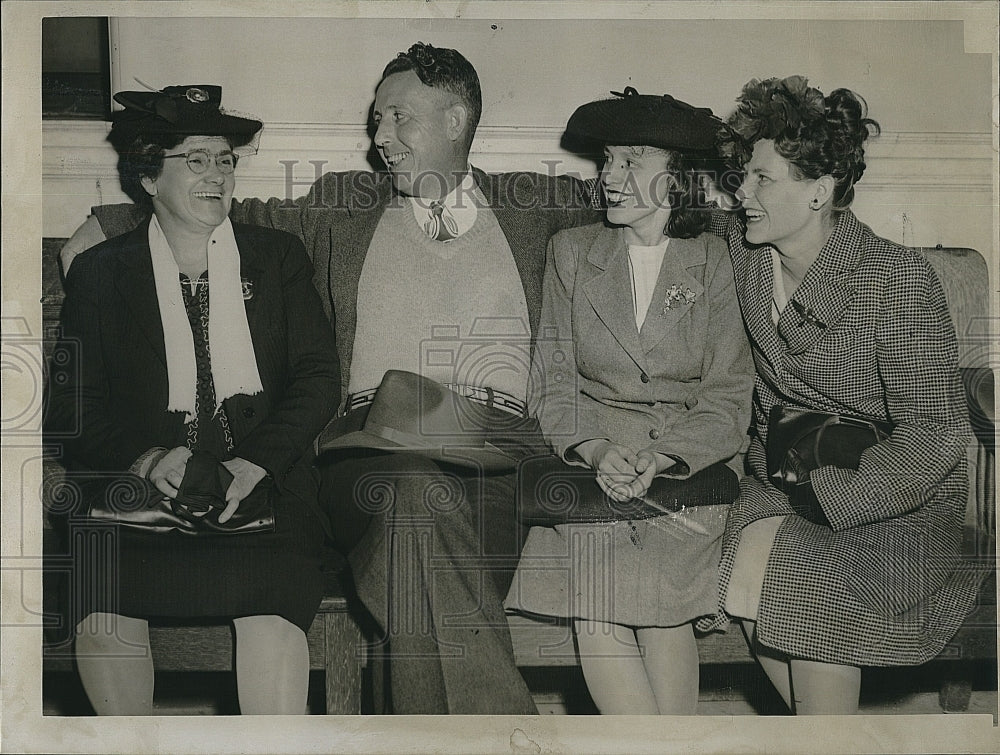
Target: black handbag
{"x": 551, "y": 492}
{"x": 134, "y": 502}
{"x": 801, "y": 440}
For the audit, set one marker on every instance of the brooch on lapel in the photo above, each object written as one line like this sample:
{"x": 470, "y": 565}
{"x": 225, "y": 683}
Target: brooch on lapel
{"x": 247, "y": 286}
{"x": 677, "y": 296}
{"x": 806, "y": 315}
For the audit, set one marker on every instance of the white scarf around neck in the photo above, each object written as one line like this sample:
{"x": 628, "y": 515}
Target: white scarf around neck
{"x": 234, "y": 364}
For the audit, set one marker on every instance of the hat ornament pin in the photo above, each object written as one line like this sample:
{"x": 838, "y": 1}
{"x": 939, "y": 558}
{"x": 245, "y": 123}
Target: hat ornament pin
{"x": 680, "y": 104}
{"x": 164, "y": 104}
{"x": 651, "y": 120}
{"x": 188, "y": 109}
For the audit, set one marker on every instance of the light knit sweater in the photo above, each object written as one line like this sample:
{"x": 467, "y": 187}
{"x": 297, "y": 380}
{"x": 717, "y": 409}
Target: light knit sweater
{"x": 454, "y": 312}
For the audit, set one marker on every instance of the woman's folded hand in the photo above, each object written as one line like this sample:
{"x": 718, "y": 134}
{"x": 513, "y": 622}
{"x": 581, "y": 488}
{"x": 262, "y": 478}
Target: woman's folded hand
{"x": 647, "y": 466}
{"x": 169, "y": 471}
{"x": 246, "y": 475}
{"x": 614, "y": 465}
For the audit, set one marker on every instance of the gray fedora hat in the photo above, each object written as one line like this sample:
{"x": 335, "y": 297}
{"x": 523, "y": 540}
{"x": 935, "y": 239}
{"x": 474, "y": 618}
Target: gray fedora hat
{"x": 415, "y": 414}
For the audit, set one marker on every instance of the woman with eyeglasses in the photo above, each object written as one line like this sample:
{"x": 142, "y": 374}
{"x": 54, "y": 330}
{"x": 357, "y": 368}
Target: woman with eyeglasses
{"x": 191, "y": 337}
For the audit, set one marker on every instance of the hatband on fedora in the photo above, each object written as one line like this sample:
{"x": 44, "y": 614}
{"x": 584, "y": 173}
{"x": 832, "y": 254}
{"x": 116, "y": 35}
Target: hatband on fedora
{"x": 416, "y": 414}
{"x": 634, "y": 119}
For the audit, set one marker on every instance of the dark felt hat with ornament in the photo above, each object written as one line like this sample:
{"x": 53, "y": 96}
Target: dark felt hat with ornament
{"x": 186, "y": 110}
{"x": 650, "y": 120}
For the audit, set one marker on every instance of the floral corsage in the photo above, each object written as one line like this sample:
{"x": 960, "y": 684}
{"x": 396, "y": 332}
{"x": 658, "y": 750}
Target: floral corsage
{"x": 677, "y": 296}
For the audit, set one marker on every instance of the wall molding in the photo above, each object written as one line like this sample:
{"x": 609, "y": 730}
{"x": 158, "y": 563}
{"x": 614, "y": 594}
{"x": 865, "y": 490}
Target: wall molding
{"x": 74, "y": 149}
{"x": 78, "y": 166}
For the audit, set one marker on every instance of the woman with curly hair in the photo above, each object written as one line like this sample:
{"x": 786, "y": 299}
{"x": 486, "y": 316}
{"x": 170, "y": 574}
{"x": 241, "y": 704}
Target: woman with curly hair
{"x": 855, "y": 567}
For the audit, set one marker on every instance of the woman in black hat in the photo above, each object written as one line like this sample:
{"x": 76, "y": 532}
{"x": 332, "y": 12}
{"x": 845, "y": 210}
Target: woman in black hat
{"x": 193, "y": 353}
{"x": 848, "y": 567}
{"x": 642, "y": 370}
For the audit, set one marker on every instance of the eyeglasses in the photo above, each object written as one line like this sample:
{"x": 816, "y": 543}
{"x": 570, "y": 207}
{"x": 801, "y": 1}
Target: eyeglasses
{"x": 198, "y": 161}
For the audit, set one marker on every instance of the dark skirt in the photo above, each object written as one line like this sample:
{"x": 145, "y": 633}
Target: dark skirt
{"x": 115, "y": 569}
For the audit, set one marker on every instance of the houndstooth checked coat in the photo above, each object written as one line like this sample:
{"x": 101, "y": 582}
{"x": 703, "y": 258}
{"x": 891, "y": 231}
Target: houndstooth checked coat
{"x": 885, "y": 585}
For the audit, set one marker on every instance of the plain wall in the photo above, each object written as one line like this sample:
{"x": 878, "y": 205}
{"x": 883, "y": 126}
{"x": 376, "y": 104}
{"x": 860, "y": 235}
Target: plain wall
{"x": 915, "y": 75}
{"x": 312, "y": 82}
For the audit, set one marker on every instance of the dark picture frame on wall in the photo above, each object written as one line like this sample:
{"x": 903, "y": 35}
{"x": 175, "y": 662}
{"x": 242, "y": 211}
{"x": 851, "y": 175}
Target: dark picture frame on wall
{"x": 76, "y": 68}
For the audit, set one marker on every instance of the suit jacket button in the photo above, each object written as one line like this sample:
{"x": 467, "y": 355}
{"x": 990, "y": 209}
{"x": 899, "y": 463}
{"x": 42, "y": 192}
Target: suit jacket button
{"x": 644, "y": 377}
{"x": 654, "y": 433}
{"x": 249, "y": 412}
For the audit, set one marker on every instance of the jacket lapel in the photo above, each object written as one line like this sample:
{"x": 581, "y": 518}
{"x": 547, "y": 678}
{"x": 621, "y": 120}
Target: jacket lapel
{"x": 251, "y": 270}
{"x": 755, "y": 284}
{"x": 135, "y": 285}
{"x": 507, "y": 217}
{"x": 358, "y": 234}
{"x": 821, "y": 299}
{"x": 527, "y": 233}
{"x": 349, "y": 245}
{"x": 609, "y": 292}
{"x": 676, "y": 291}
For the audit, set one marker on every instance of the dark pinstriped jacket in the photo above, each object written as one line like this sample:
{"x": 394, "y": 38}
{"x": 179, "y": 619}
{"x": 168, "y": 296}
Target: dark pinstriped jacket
{"x": 108, "y": 392}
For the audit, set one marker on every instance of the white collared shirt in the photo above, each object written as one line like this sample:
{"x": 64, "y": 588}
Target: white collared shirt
{"x": 459, "y": 202}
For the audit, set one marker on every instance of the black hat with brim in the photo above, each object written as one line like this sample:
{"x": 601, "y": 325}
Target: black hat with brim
{"x": 650, "y": 120}
{"x": 185, "y": 110}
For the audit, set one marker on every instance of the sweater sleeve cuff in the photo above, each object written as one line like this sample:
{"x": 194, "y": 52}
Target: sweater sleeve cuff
{"x": 145, "y": 463}
{"x": 679, "y": 468}
{"x": 571, "y": 456}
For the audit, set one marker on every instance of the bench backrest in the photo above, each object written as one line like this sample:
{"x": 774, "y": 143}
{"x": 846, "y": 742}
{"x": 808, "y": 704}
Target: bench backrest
{"x": 962, "y": 271}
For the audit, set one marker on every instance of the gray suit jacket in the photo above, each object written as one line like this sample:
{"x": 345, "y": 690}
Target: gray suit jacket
{"x": 681, "y": 386}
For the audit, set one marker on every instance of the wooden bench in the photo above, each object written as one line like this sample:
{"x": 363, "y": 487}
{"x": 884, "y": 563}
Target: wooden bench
{"x": 338, "y": 646}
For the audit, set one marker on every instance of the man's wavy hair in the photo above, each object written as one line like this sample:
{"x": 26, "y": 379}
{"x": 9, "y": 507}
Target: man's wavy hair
{"x": 819, "y": 135}
{"x": 447, "y": 70}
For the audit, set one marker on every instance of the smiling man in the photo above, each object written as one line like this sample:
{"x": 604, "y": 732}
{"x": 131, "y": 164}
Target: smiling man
{"x": 410, "y": 118}
{"x": 432, "y": 247}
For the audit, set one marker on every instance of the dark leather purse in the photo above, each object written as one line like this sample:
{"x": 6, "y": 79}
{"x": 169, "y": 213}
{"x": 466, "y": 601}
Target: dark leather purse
{"x": 801, "y": 440}
{"x": 134, "y": 502}
{"x": 551, "y": 492}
